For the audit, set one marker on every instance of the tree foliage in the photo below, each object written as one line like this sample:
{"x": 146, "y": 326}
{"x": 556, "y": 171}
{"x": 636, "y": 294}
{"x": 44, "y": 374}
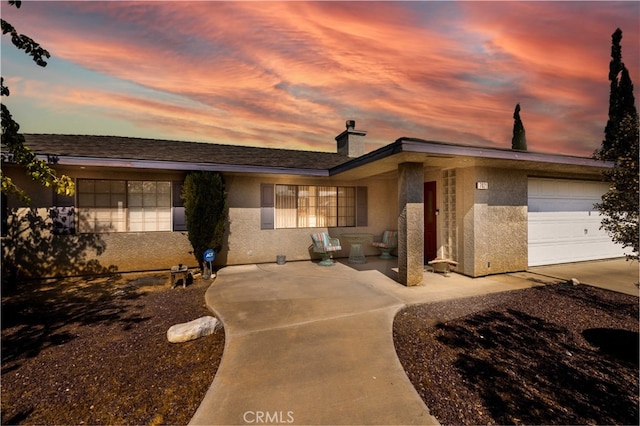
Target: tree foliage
{"x": 519, "y": 139}
{"x": 621, "y": 204}
{"x": 205, "y": 206}
{"x": 14, "y": 143}
{"x": 617, "y": 141}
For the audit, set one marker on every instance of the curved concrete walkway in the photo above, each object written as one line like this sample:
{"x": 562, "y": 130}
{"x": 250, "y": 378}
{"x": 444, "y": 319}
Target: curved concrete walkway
{"x": 307, "y": 345}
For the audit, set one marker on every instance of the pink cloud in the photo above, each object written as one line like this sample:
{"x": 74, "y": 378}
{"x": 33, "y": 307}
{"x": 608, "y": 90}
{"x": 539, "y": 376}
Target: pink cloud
{"x": 292, "y": 72}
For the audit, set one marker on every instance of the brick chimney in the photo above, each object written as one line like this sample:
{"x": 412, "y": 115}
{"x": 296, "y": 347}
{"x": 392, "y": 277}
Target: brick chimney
{"x": 351, "y": 141}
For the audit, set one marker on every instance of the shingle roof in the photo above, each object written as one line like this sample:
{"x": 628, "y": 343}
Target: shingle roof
{"x": 125, "y": 148}
{"x": 118, "y": 151}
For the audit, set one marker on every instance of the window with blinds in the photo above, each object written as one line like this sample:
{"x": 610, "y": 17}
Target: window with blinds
{"x": 123, "y": 206}
{"x": 307, "y": 206}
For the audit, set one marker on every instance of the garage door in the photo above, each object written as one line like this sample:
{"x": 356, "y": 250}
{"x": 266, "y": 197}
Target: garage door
{"x": 563, "y": 224}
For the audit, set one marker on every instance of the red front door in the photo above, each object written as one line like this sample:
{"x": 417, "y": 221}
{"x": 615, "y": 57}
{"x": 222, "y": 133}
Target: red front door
{"x": 430, "y": 247}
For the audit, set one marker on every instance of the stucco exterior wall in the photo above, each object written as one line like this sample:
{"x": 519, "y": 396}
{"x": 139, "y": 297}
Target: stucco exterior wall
{"x": 411, "y": 223}
{"x": 247, "y": 243}
{"x": 133, "y": 251}
{"x": 31, "y": 250}
{"x": 491, "y": 224}
{"x": 494, "y": 221}
{"x": 465, "y": 215}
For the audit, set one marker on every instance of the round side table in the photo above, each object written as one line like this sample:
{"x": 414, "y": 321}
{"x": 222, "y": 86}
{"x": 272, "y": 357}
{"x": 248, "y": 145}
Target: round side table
{"x": 356, "y": 239}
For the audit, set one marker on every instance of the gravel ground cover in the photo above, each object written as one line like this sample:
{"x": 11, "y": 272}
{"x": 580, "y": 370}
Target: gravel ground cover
{"x": 79, "y": 351}
{"x": 546, "y": 355}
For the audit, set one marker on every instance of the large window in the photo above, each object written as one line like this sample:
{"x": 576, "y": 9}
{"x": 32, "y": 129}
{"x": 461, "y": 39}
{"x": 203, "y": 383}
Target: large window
{"x": 305, "y": 206}
{"x": 124, "y": 206}
{"x": 149, "y": 206}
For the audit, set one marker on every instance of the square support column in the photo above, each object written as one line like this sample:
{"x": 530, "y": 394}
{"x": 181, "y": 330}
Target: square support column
{"x": 411, "y": 223}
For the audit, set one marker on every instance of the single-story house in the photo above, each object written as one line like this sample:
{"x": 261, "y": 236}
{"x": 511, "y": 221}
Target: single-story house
{"x": 491, "y": 210}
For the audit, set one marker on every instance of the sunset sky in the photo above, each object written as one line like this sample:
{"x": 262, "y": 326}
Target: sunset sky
{"x": 288, "y": 74}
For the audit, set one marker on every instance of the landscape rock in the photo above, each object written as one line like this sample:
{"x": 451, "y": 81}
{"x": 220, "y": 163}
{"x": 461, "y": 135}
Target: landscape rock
{"x": 192, "y": 330}
{"x": 570, "y": 283}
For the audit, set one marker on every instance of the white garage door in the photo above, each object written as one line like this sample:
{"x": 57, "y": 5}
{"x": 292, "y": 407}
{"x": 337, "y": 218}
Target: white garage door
{"x": 563, "y": 224}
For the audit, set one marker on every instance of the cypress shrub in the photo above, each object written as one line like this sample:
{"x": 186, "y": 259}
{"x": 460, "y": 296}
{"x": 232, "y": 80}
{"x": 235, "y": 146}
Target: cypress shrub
{"x": 205, "y": 207}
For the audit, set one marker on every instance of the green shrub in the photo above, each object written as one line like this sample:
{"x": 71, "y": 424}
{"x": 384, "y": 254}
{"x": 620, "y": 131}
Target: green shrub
{"x": 205, "y": 206}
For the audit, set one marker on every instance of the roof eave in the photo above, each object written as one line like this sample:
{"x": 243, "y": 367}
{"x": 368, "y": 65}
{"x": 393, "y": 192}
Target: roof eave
{"x": 428, "y": 147}
{"x": 379, "y": 154}
{"x": 183, "y": 166}
{"x": 410, "y": 145}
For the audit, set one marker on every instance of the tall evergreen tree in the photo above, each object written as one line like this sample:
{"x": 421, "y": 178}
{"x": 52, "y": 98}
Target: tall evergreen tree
{"x": 519, "y": 139}
{"x": 621, "y": 104}
{"x": 621, "y": 204}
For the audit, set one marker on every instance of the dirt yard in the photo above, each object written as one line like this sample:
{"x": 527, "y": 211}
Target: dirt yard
{"x": 93, "y": 352}
{"x": 546, "y": 355}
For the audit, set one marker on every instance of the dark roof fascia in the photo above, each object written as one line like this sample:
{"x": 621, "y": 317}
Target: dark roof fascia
{"x": 379, "y": 154}
{"x": 413, "y": 145}
{"x": 441, "y": 148}
{"x": 181, "y": 166}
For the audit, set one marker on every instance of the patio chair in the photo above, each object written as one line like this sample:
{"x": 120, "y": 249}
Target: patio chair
{"x": 387, "y": 243}
{"x": 324, "y": 245}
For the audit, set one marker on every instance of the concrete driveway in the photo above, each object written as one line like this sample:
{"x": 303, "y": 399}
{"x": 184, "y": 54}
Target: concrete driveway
{"x": 615, "y": 274}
